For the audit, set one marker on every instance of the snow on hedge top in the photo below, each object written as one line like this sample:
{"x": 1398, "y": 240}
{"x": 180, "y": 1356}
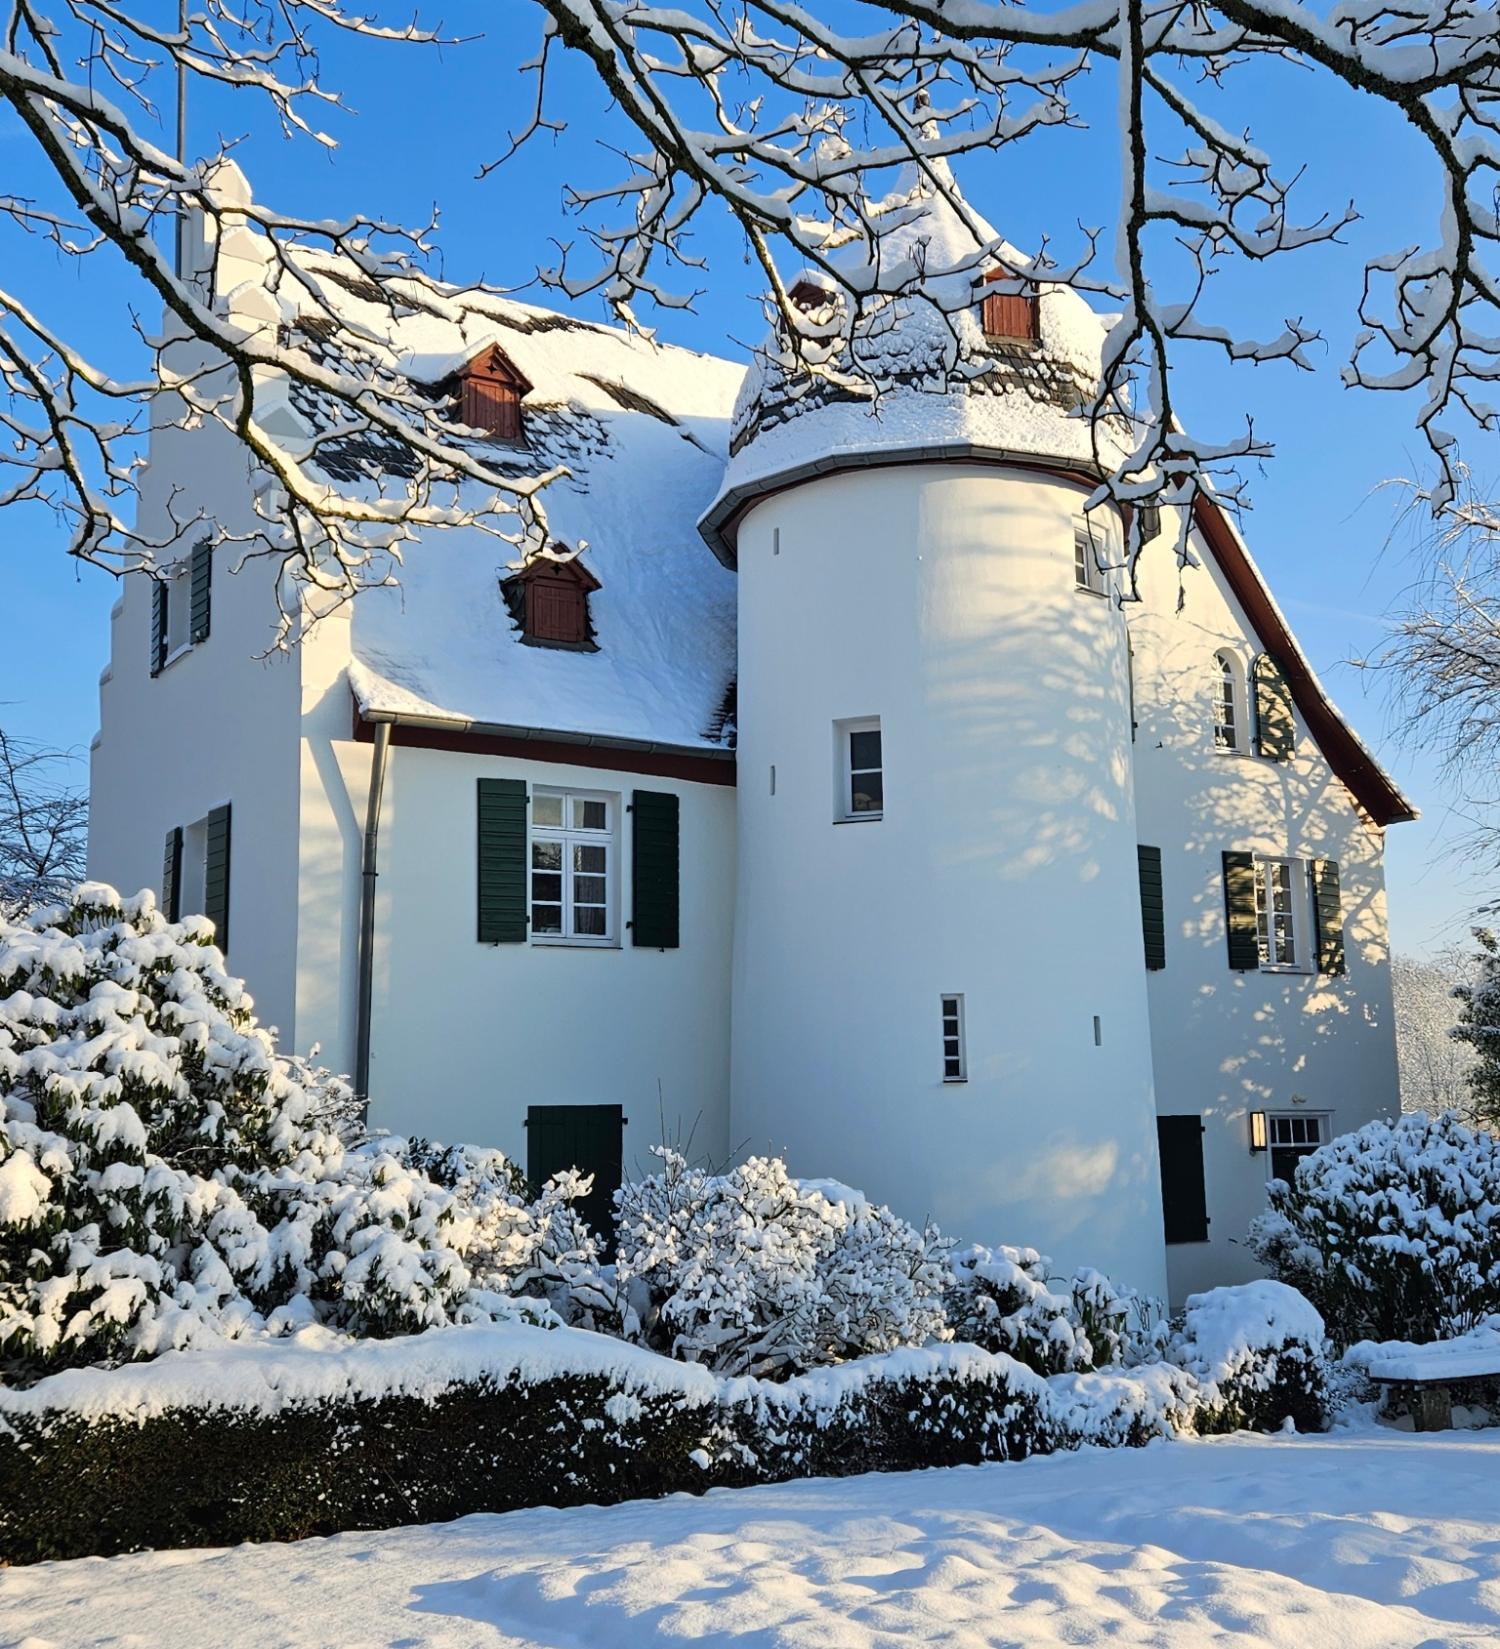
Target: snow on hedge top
{"x": 1226, "y": 1329}
{"x": 641, "y": 426}
{"x": 261, "y": 1374}
{"x": 933, "y": 379}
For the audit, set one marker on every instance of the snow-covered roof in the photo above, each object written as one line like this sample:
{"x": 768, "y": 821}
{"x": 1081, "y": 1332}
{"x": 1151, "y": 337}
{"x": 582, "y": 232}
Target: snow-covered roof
{"x": 920, "y": 376}
{"x": 642, "y": 427}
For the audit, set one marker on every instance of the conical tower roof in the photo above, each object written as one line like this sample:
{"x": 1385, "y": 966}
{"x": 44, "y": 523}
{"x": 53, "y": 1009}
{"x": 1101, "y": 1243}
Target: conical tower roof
{"x": 917, "y": 375}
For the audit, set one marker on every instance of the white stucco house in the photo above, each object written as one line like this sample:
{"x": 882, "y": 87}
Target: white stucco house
{"x": 830, "y": 802}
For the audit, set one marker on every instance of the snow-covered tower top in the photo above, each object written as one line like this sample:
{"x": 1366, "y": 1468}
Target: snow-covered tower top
{"x": 917, "y": 372}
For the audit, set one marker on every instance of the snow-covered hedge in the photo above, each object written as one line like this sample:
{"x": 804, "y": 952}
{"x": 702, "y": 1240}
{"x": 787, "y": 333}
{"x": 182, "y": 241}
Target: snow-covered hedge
{"x": 278, "y": 1438}
{"x": 1393, "y": 1232}
{"x": 166, "y": 1176}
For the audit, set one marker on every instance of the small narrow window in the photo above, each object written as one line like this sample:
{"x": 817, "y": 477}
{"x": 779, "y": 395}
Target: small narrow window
{"x": 955, "y": 1061}
{"x": 1092, "y": 555}
{"x": 572, "y": 867}
{"x": 1228, "y": 703}
{"x": 861, "y": 773}
{"x": 1281, "y": 914}
{"x": 1292, "y": 1136}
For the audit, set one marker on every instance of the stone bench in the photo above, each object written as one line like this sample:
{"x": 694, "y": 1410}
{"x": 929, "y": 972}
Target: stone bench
{"x": 1422, "y": 1381}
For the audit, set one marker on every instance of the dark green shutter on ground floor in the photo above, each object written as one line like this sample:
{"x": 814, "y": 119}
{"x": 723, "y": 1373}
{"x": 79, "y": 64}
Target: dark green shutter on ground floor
{"x": 1153, "y": 913}
{"x": 654, "y": 869}
{"x": 589, "y": 1138}
{"x": 216, "y": 876}
{"x": 502, "y": 862}
{"x": 1184, "y": 1201}
{"x": 171, "y": 876}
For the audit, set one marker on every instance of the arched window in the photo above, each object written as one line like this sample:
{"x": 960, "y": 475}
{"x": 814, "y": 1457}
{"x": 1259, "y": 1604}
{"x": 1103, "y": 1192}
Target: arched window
{"x": 1230, "y": 716}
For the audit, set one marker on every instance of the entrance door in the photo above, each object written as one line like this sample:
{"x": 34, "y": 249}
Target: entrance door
{"x": 589, "y": 1138}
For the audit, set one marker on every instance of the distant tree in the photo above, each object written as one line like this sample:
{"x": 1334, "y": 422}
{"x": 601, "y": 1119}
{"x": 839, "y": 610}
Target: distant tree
{"x": 1434, "y": 1062}
{"x": 1479, "y": 1027}
{"x": 1442, "y": 658}
{"x": 43, "y": 826}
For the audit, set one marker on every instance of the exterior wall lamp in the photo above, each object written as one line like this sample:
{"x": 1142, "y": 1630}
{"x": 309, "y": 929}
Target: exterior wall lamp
{"x": 1257, "y": 1131}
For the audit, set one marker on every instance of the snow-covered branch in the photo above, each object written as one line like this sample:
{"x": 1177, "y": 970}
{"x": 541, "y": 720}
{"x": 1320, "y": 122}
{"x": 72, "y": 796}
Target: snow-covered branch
{"x": 80, "y": 79}
{"x": 769, "y": 109}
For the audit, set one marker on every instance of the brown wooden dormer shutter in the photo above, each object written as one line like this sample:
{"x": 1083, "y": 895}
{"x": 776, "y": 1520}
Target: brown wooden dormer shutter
{"x": 1010, "y": 314}
{"x": 490, "y": 394}
{"x": 549, "y": 601}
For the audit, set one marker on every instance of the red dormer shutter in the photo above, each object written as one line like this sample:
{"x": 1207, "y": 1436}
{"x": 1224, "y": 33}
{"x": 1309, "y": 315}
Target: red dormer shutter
{"x": 556, "y": 610}
{"x": 490, "y": 392}
{"x": 492, "y": 406}
{"x": 1010, "y": 315}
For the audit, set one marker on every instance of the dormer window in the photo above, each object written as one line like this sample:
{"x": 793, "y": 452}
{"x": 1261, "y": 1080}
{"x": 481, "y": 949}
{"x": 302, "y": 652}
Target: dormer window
{"x": 490, "y": 391}
{"x": 1008, "y": 309}
{"x": 807, "y": 294}
{"x": 549, "y": 600}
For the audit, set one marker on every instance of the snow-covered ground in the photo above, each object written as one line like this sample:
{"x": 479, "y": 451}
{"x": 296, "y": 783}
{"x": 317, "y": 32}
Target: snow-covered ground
{"x": 1359, "y": 1540}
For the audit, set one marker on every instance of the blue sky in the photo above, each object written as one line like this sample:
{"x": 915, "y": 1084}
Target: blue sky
{"x": 423, "y": 121}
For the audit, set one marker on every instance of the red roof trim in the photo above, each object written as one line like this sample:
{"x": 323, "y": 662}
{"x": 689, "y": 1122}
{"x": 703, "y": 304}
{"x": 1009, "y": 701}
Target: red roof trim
{"x": 1372, "y": 788}
{"x": 661, "y": 764}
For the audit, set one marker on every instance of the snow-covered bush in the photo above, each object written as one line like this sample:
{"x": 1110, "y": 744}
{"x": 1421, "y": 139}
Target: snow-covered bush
{"x": 166, "y": 1175}
{"x": 1392, "y": 1232}
{"x": 1259, "y": 1352}
{"x": 751, "y": 1271}
{"x": 1001, "y": 1300}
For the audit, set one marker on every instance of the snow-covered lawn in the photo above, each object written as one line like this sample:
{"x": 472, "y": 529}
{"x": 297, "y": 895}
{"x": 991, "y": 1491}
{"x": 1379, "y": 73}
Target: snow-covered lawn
{"x": 1360, "y": 1540}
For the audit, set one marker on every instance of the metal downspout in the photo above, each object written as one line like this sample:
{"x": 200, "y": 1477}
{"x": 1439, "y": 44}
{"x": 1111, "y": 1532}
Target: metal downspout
{"x": 369, "y": 873}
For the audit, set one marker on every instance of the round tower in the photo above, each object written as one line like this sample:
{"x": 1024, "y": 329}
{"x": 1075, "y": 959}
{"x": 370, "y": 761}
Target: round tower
{"x": 939, "y": 985}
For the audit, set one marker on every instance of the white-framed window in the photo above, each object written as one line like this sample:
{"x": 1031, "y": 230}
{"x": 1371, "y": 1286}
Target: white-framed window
{"x": 859, "y": 768}
{"x": 1283, "y": 917}
{"x": 1290, "y": 1136}
{"x": 955, "y": 1059}
{"x": 573, "y": 867}
{"x": 1229, "y": 712}
{"x": 1094, "y": 553}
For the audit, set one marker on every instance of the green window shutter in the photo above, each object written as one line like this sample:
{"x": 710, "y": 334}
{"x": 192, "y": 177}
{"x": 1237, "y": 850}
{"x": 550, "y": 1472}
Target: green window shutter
{"x": 216, "y": 876}
{"x": 654, "y": 873}
{"x": 1239, "y": 910}
{"x": 1184, "y": 1199}
{"x": 1329, "y": 906}
{"x": 1275, "y": 725}
{"x": 171, "y": 876}
{"x": 502, "y": 861}
{"x": 158, "y": 626}
{"x": 201, "y": 592}
{"x": 1153, "y": 914}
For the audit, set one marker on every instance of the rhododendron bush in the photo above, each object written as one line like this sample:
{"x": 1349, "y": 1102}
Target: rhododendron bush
{"x": 1393, "y": 1232}
{"x": 166, "y": 1175}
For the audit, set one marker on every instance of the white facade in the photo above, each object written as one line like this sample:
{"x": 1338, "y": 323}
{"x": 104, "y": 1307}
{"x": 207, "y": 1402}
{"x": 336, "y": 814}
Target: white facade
{"x": 940, "y": 598}
{"x": 1033, "y": 735}
{"x": 1228, "y": 1043}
